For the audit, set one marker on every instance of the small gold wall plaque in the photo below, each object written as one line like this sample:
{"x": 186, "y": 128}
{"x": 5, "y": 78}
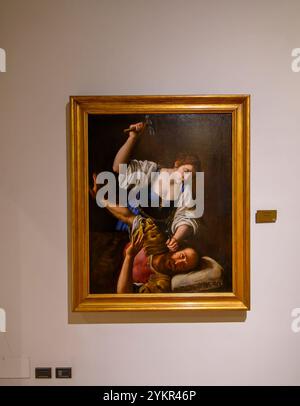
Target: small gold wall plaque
{"x": 266, "y": 216}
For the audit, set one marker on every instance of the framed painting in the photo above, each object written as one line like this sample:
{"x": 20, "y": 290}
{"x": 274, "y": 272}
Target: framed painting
{"x": 160, "y": 202}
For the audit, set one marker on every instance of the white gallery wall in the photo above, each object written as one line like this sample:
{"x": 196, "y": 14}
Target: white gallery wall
{"x": 58, "y": 48}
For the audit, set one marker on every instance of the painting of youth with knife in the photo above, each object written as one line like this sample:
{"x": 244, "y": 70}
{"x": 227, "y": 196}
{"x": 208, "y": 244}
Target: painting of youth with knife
{"x": 160, "y": 203}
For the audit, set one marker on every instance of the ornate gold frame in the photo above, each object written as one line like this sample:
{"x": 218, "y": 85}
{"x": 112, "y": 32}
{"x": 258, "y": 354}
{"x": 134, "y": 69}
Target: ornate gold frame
{"x": 239, "y": 107}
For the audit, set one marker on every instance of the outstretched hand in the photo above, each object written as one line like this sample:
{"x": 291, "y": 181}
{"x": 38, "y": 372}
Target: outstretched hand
{"x": 137, "y": 129}
{"x": 135, "y": 246}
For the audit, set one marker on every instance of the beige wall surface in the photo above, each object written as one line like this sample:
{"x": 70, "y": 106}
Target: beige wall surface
{"x": 60, "y": 48}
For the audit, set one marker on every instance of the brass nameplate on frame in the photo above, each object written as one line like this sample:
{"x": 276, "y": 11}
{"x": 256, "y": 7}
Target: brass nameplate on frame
{"x": 266, "y": 216}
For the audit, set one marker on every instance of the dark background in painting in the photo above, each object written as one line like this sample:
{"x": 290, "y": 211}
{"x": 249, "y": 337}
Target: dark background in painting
{"x": 207, "y": 135}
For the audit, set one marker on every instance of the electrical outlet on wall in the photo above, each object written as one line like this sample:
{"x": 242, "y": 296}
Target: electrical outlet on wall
{"x": 65, "y": 373}
{"x": 56, "y": 369}
{"x": 43, "y": 373}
